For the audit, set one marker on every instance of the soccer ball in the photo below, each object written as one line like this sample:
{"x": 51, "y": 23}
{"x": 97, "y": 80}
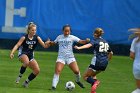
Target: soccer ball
{"x": 70, "y": 86}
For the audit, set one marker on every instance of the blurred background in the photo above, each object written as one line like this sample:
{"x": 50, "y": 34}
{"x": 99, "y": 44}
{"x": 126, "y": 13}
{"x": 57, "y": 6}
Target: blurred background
{"x": 114, "y": 16}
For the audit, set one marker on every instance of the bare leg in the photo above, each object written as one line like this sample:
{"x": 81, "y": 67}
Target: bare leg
{"x": 58, "y": 68}
{"x": 74, "y": 67}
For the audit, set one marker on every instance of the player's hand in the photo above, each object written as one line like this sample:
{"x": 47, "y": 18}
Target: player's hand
{"x": 87, "y": 40}
{"x": 11, "y": 55}
{"x": 76, "y": 47}
{"x": 48, "y": 41}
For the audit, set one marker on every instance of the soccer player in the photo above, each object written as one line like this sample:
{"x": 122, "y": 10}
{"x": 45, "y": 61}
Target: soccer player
{"x": 102, "y": 54}
{"x": 26, "y": 45}
{"x": 66, "y": 56}
{"x": 135, "y": 55}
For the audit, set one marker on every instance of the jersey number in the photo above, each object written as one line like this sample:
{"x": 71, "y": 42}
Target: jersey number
{"x": 30, "y": 46}
{"x": 103, "y": 47}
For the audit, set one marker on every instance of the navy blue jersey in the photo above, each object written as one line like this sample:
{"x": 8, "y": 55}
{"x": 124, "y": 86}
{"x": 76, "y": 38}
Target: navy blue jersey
{"x": 28, "y": 46}
{"x": 101, "y": 49}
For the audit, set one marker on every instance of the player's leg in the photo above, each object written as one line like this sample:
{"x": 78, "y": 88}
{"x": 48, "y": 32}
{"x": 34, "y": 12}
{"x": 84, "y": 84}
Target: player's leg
{"x": 74, "y": 67}
{"x": 24, "y": 59}
{"x": 138, "y": 86}
{"x": 136, "y": 72}
{"x": 58, "y": 68}
{"x": 90, "y": 76}
{"x": 35, "y": 67}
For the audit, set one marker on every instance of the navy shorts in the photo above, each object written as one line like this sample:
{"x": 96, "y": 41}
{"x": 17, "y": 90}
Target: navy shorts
{"x": 99, "y": 66}
{"x": 30, "y": 55}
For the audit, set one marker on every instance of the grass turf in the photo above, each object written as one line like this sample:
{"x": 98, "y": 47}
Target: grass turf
{"x": 117, "y": 78}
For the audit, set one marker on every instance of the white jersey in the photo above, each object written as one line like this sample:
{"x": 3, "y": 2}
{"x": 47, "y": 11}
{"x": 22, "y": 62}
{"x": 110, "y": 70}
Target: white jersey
{"x": 66, "y": 45}
{"x": 135, "y": 47}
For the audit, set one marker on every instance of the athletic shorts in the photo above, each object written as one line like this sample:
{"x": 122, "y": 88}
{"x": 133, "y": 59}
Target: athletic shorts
{"x": 136, "y": 70}
{"x": 97, "y": 65}
{"x": 66, "y": 60}
{"x": 29, "y": 55}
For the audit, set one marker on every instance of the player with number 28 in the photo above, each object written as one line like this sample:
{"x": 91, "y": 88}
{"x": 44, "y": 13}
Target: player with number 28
{"x": 102, "y": 54}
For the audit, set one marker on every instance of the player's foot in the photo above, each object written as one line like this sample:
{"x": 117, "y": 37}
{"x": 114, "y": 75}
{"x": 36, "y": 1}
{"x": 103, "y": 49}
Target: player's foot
{"x": 93, "y": 91}
{"x": 17, "y": 80}
{"x": 25, "y": 84}
{"x": 94, "y": 86}
{"x": 53, "y": 88}
{"x": 136, "y": 91}
{"x": 80, "y": 84}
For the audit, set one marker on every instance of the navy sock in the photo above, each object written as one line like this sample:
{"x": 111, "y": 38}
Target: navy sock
{"x": 90, "y": 80}
{"x": 22, "y": 70}
{"x": 31, "y": 77}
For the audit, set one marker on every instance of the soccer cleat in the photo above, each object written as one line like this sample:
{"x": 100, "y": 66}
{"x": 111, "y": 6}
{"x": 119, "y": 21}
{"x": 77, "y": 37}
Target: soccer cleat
{"x": 25, "y": 84}
{"x": 94, "y": 86}
{"x": 93, "y": 92}
{"x": 17, "y": 80}
{"x": 80, "y": 84}
{"x": 53, "y": 88}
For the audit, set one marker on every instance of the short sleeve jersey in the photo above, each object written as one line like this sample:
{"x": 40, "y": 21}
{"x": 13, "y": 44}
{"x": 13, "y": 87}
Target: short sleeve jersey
{"x": 100, "y": 49}
{"x": 66, "y": 45}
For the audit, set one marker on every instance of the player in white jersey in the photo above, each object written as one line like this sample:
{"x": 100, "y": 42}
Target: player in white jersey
{"x": 135, "y": 55}
{"x": 66, "y": 56}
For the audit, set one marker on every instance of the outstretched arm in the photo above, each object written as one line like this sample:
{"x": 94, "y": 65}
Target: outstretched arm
{"x": 84, "y": 41}
{"x": 42, "y": 43}
{"x": 16, "y": 46}
{"x": 83, "y": 47}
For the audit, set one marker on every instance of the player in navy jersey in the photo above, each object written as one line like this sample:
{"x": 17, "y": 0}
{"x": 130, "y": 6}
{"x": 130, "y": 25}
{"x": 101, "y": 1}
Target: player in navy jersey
{"x": 66, "y": 56}
{"x": 102, "y": 54}
{"x": 27, "y": 45}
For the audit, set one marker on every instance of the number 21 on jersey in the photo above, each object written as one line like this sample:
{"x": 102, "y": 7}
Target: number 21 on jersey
{"x": 103, "y": 47}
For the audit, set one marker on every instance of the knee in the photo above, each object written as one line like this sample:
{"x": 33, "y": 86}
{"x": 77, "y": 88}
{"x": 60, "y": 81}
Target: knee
{"x": 36, "y": 71}
{"x": 76, "y": 72}
{"x": 84, "y": 77}
{"x": 57, "y": 72}
{"x": 25, "y": 64}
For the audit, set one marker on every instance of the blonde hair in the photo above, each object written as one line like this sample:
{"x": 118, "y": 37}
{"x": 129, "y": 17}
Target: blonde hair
{"x": 30, "y": 25}
{"x": 135, "y": 33}
{"x": 98, "y": 32}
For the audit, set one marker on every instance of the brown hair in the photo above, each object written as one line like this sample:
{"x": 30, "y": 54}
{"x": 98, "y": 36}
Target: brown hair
{"x": 30, "y": 25}
{"x": 98, "y": 32}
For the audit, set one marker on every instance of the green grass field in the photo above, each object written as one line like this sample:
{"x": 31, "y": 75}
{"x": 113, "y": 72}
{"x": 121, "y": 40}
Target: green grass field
{"x": 117, "y": 78}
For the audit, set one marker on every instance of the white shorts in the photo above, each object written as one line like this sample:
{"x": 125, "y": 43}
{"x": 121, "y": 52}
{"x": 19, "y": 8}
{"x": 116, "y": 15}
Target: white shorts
{"x": 66, "y": 60}
{"x": 136, "y": 70}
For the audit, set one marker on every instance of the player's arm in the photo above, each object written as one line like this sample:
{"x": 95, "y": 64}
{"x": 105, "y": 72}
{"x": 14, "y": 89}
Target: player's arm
{"x": 45, "y": 45}
{"x": 83, "y": 47}
{"x": 84, "y": 41}
{"x": 16, "y": 46}
{"x": 110, "y": 54}
{"x": 132, "y": 49}
{"x": 132, "y": 55}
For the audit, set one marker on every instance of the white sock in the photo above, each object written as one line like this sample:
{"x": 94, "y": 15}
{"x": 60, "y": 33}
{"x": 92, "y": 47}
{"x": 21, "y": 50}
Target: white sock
{"x": 78, "y": 76}
{"x": 55, "y": 80}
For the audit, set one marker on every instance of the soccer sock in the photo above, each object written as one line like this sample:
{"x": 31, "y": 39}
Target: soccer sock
{"x": 22, "y": 70}
{"x": 78, "y": 76}
{"x": 30, "y": 78}
{"x": 90, "y": 80}
{"x": 55, "y": 80}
